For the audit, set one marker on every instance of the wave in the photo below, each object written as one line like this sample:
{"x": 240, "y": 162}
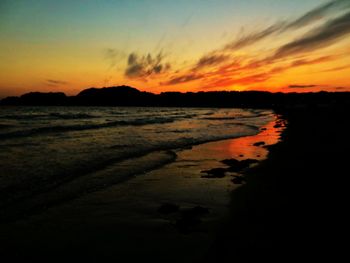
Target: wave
{"x": 114, "y": 165}
{"x": 219, "y": 118}
{"x": 72, "y": 116}
{"x": 24, "y": 116}
{"x": 112, "y": 157}
{"x": 81, "y": 127}
{"x": 256, "y": 114}
{"x": 54, "y": 115}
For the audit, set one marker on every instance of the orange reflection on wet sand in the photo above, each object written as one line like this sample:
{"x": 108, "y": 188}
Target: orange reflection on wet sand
{"x": 239, "y": 148}
{"x": 244, "y": 148}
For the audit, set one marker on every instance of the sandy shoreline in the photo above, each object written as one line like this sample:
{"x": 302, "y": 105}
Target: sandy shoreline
{"x": 124, "y": 220}
{"x": 293, "y": 207}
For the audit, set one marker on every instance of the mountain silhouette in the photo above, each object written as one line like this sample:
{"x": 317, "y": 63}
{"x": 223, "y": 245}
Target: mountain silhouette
{"x": 129, "y": 96}
{"x": 37, "y": 99}
{"x": 112, "y": 96}
{"x": 119, "y": 90}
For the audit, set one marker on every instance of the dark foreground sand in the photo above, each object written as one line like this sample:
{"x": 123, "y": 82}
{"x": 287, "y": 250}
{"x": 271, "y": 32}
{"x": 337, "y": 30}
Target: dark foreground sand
{"x": 295, "y": 204}
{"x": 292, "y": 206}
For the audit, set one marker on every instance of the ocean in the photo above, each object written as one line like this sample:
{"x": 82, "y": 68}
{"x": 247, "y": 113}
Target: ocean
{"x": 51, "y": 154}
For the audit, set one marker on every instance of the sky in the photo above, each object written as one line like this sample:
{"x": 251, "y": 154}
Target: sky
{"x": 167, "y": 45}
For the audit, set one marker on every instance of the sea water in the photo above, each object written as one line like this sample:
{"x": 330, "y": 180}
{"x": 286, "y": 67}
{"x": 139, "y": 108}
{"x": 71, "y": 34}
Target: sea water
{"x": 74, "y": 150}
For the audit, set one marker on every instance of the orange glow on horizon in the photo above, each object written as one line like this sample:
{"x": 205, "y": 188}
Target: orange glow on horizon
{"x": 300, "y": 53}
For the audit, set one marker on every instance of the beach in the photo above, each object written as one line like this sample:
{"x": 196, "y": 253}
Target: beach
{"x": 286, "y": 204}
{"x": 174, "y": 131}
{"x": 172, "y": 213}
{"x": 293, "y": 206}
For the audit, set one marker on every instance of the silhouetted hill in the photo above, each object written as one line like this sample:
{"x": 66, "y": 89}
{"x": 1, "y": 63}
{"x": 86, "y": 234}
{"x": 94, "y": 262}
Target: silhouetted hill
{"x": 128, "y": 96}
{"x": 118, "y": 96}
{"x": 37, "y": 98}
{"x": 125, "y": 90}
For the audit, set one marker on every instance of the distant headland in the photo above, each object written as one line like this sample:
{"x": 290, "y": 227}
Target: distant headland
{"x": 128, "y": 96}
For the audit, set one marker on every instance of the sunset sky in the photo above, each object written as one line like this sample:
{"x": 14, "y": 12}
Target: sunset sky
{"x": 167, "y": 45}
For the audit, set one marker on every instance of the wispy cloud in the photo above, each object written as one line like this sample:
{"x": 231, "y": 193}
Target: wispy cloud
{"x": 319, "y": 13}
{"x": 255, "y": 37}
{"x": 210, "y": 60}
{"x": 310, "y": 17}
{"x": 53, "y": 82}
{"x": 303, "y": 62}
{"x": 337, "y": 68}
{"x": 254, "y": 72}
{"x": 146, "y": 65}
{"x": 320, "y": 37}
{"x": 183, "y": 79}
{"x": 187, "y": 20}
{"x": 226, "y": 66}
{"x": 341, "y": 88}
{"x": 112, "y": 55}
{"x": 302, "y": 86}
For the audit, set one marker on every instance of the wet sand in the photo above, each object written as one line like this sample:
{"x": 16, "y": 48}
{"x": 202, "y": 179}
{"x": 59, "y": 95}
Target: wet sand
{"x": 128, "y": 220}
